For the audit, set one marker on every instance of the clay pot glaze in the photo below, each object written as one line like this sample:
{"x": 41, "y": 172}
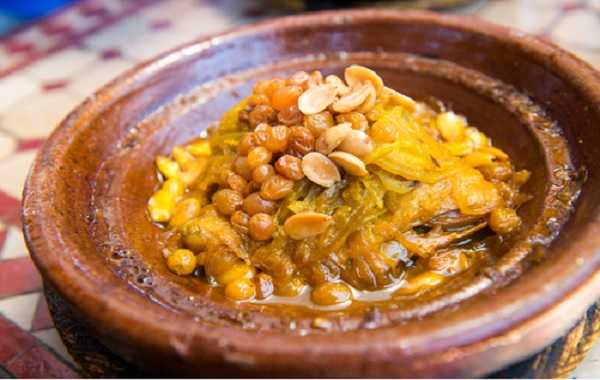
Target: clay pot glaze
{"x": 85, "y": 223}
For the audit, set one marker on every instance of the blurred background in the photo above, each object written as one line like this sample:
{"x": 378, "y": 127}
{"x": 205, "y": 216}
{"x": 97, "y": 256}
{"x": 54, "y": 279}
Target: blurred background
{"x": 54, "y": 53}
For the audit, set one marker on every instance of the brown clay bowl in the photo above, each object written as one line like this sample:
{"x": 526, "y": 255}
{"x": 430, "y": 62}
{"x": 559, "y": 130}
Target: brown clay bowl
{"x": 85, "y": 223}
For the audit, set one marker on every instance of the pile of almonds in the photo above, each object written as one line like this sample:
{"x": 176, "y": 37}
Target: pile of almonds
{"x": 303, "y": 126}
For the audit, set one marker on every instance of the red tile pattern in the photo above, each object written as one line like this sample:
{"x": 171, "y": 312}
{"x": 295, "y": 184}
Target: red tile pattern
{"x": 48, "y": 67}
{"x": 18, "y": 276}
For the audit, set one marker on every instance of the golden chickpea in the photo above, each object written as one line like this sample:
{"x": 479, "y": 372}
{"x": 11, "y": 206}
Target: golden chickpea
{"x": 383, "y": 133}
{"x": 290, "y": 116}
{"x": 256, "y": 99}
{"x": 247, "y": 143}
{"x": 182, "y": 262}
{"x": 315, "y": 78}
{"x": 239, "y": 221}
{"x": 240, "y": 166}
{"x": 184, "y": 211}
{"x": 357, "y": 119}
{"x": 194, "y": 241}
{"x": 273, "y": 85}
{"x": 290, "y": 167}
{"x": 499, "y": 170}
{"x": 289, "y": 287}
{"x": 237, "y": 183}
{"x": 259, "y": 156}
{"x": 262, "y": 113}
{"x": 236, "y": 272}
{"x": 504, "y": 220}
{"x": 255, "y": 204}
{"x": 240, "y": 290}
{"x": 264, "y": 286}
{"x": 301, "y": 142}
{"x": 319, "y": 122}
{"x": 452, "y": 127}
{"x": 277, "y": 139}
{"x": 331, "y": 293}
{"x": 276, "y": 187}
{"x": 285, "y": 97}
{"x": 253, "y": 186}
{"x": 261, "y": 226}
{"x": 227, "y": 201}
{"x": 262, "y": 172}
{"x": 260, "y": 133}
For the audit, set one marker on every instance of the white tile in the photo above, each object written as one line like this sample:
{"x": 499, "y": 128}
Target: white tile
{"x": 14, "y": 245}
{"x": 91, "y": 78}
{"x": 13, "y": 88}
{"x": 61, "y": 65}
{"x": 7, "y": 145}
{"x": 118, "y": 35}
{"x": 18, "y": 167}
{"x": 52, "y": 339}
{"x": 20, "y": 309}
{"x": 524, "y": 15}
{"x": 38, "y": 114}
{"x": 580, "y": 27}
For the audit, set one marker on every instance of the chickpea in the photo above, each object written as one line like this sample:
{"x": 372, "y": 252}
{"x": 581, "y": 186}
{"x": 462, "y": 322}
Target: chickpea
{"x": 264, "y": 286}
{"x": 237, "y": 183}
{"x": 255, "y": 204}
{"x": 273, "y": 85}
{"x": 290, "y": 116}
{"x": 227, "y": 201}
{"x": 261, "y": 226}
{"x": 383, "y": 133}
{"x": 319, "y": 122}
{"x": 357, "y": 119}
{"x": 253, "y": 186}
{"x": 259, "y": 156}
{"x": 236, "y": 272}
{"x": 240, "y": 290}
{"x": 240, "y": 166}
{"x": 289, "y": 287}
{"x": 451, "y": 126}
{"x": 260, "y": 133}
{"x": 184, "y": 211}
{"x": 194, "y": 242}
{"x": 285, "y": 97}
{"x": 302, "y": 141}
{"x": 182, "y": 262}
{"x": 331, "y": 293}
{"x": 239, "y": 221}
{"x": 277, "y": 139}
{"x": 161, "y": 206}
{"x": 262, "y": 172}
{"x": 262, "y": 113}
{"x": 276, "y": 187}
{"x": 499, "y": 170}
{"x": 290, "y": 167}
{"x": 256, "y": 99}
{"x": 247, "y": 143}
{"x": 504, "y": 220}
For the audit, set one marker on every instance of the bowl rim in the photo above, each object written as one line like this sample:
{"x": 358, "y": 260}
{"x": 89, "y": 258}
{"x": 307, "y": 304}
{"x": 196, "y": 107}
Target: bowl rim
{"x": 475, "y": 338}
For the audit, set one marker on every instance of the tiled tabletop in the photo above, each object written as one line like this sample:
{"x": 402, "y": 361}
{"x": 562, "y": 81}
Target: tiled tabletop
{"x": 49, "y": 67}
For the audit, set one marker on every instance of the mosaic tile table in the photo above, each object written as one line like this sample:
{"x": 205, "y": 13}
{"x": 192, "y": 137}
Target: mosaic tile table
{"x": 49, "y": 67}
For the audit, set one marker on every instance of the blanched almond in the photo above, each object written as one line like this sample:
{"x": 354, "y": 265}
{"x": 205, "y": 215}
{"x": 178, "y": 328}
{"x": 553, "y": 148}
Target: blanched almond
{"x": 369, "y": 102}
{"x": 316, "y": 99}
{"x": 320, "y": 169}
{"x": 332, "y": 137}
{"x": 306, "y": 224}
{"x": 357, "y": 74}
{"x": 357, "y": 143}
{"x": 338, "y": 84}
{"x": 351, "y": 164}
{"x": 400, "y": 99}
{"x": 353, "y": 99}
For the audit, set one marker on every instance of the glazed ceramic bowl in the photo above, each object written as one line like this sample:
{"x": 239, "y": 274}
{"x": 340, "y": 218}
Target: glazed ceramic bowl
{"x": 86, "y": 227}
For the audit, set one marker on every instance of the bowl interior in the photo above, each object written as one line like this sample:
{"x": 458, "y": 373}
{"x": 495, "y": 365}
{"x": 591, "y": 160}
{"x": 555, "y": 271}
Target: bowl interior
{"x": 99, "y": 166}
